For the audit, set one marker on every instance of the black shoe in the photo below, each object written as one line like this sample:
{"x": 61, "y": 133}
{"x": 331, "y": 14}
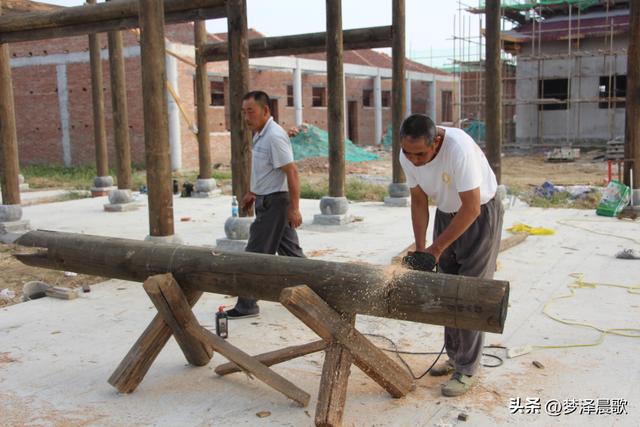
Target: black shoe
{"x": 235, "y": 314}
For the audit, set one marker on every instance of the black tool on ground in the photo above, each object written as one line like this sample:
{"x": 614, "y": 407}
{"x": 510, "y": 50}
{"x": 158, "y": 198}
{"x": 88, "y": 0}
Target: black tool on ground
{"x": 176, "y": 187}
{"x": 187, "y": 189}
{"x": 222, "y": 328}
{"x": 421, "y": 261}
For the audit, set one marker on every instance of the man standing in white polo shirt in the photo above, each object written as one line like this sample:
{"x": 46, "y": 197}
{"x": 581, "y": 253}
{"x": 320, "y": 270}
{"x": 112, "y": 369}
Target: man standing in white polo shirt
{"x": 275, "y": 190}
{"x": 447, "y": 165}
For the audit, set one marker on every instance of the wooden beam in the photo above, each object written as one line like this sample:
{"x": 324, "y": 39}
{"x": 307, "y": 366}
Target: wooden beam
{"x": 397, "y": 87}
{"x": 493, "y": 87}
{"x": 238, "y": 87}
{"x": 202, "y": 101}
{"x": 119, "y": 109}
{"x": 361, "y": 38}
{"x": 167, "y": 296}
{"x": 252, "y": 366}
{"x": 156, "y": 125}
{"x": 97, "y": 99}
{"x": 101, "y": 17}
{"x": 314, "y": 312}
{"x": 130, "y": 372}
{"x": 335, "y": 108}
{"x": 9, "y": 165}
{"x": 632, "y": 112}
{"x": 275, "y": 357}
{"x": 442, "y": 299}
{"x": 336, "y": 369}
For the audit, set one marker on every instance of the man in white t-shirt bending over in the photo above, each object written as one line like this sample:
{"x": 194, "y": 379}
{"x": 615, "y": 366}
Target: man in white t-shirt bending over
{"x": 447, "y": 165}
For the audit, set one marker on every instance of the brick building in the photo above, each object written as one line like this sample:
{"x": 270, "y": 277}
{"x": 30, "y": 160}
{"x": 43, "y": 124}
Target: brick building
{"x": 52, "y": 88}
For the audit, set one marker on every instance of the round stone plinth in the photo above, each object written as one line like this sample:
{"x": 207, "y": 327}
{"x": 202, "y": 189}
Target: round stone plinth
{"x": 334, "y": 205}
{"x": 120, "y": 196}
{"x": 237, "y": 228}
{"x": 20, "y": 179}
{"x": 10, "y": 213}
{"x": 174, "y": 238}
{"x": 230, "y": 245}
{"x": 103, "y": 181}
{"x": 398, "y": 189}
{"x": 397, "y": 202}
{"x": 205, "y": 185}
{"x": 635, "y": 199}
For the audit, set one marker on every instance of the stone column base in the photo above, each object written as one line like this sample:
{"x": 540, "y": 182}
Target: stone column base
{"x": 231, "y": 245}
{"x": 10, "y": 231}
{"x": 635, "y": 198}
{"x": 322, "y": 219}
{"x": 121, "y": 201}
{"x": 399, "y": 202}
{"x": 206, "y": 194}
{"x": 101, "y": 191}
{"x": 24, "y": 187}
{"x": 174, "y": 238}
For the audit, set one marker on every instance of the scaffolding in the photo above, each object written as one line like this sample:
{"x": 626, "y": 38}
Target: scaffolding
{"x": 533, "y": 33}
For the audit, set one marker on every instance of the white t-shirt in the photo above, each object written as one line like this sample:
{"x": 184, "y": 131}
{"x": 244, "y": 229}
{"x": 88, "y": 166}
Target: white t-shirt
{"x": 459, "y": 166}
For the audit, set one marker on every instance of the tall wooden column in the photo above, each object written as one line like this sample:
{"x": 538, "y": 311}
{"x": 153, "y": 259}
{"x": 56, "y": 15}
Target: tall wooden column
{"x": 99, "y": 129}
{"x": 202, "y": 89}
{"x": 335, "y": 87}
{"x": 119, "y": 107}
{"x": 9, "y": 166}
{"x": 238, "y": 86}
{"x": 632, "y": 118}
{"x": 398, "y": 85}
{"x": 493, "y": 87}
{"x": 156, "y": 126}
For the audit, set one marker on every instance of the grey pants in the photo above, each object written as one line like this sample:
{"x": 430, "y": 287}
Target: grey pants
{"x": 474, "y": 254}
{"x": 270, "y": 232}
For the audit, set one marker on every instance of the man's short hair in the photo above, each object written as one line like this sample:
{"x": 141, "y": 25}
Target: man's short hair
{"x": 260, "y": 97}
{"x": 418, "y": 126}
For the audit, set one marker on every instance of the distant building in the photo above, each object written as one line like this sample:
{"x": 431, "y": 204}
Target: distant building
{"x": 571, "y": 70}
{"x": 52, "y": 87}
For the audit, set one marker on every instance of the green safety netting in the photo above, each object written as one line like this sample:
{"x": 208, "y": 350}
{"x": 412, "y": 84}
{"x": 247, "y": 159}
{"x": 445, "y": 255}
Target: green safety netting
{"x": 476, "y": 129}
{"x": 530, "y": 4}
{"x": 387, "y": 139}
{"x": 311, "y": 141}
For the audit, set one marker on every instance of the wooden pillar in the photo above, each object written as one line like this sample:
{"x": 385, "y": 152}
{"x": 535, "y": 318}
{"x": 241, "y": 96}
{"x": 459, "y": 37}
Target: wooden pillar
{"x": 97, "y": 97}
{"x": 335, "y": 87}
{"x": 202, "y": 90}
{"x": 398, "y": 85}
{"x": 632, "y": 118}
{"x": 493, "y": 87}
{"x": 238, "y": 86}
{"x": 156, "y": 126}
{"x": 9, "y": 166}
{"x": 119, "y": 108}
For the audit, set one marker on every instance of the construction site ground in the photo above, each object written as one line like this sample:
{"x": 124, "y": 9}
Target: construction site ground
{"x": 56, "y": 355}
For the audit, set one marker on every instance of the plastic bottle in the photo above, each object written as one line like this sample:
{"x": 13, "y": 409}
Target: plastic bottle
{"x": 221, "y": 323}
{"x": 234, "y": 206}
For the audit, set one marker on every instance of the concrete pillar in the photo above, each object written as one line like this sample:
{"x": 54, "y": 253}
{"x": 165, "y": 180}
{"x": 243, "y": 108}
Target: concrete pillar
{"x": 175, "y": 139}
{"x": 407, "y": 87}
{"x": 297, "y": 92}
{"x": 432, "y": 101}
{"x": 377, "y": 105}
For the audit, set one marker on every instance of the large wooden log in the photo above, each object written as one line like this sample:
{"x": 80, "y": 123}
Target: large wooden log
{"x": 361, "y": 38}
{"x": 449, "y": 300}
{"x": 101, "y": 17}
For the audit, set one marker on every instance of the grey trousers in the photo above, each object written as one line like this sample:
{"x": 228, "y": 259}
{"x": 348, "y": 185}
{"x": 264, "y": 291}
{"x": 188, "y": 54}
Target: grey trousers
{"x": 270, "y": 233}
{"x": 474, "y": 254}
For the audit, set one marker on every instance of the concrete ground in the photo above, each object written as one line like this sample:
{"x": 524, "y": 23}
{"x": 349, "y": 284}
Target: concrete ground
{"x": 56, "y": 356}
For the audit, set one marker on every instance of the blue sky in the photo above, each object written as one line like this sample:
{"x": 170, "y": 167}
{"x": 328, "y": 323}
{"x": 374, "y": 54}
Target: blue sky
{"x": 429, "y": 22}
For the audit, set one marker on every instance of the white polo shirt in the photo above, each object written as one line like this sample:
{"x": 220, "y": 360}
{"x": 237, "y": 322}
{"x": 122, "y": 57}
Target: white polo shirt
{"x": 459, "y": 166}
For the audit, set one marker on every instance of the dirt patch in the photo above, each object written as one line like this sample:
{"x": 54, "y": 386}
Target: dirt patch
{"x": 15, "y": 275}
{"x": 320, "y": 252}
